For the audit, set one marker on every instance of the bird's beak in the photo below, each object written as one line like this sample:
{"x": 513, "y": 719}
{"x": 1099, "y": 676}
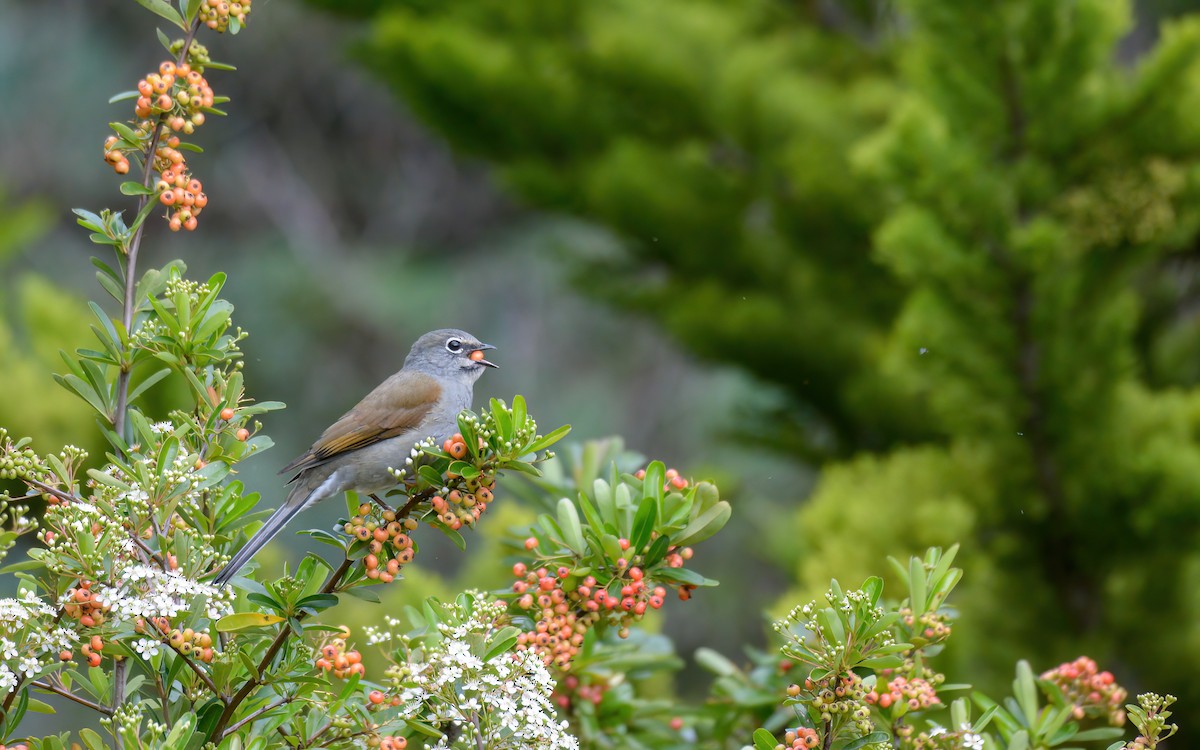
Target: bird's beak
{"x": 479, "y": 350}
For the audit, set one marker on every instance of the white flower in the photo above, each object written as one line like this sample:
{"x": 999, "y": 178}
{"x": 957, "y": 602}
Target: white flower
{"x": 30, "y": 666}
{"x": 8, "y": 648}
{"x": 8, "y": 680}
{"x": 161, "y": 428}
{"x": 973, "y": 741}
{"x": 937, "y": 730}
{"x": 147, "y": 648}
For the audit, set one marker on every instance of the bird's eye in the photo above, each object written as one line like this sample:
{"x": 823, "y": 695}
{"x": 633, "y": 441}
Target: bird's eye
{"x": 454, "y": 345}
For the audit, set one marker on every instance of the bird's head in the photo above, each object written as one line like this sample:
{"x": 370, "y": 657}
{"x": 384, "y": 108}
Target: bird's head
{"x": 449, "y": 352}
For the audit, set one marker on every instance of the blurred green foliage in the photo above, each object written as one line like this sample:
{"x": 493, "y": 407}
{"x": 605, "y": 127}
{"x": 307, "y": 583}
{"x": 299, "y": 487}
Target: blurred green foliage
{"x": 960, "y": 236}
{"x": 38, "y": 319}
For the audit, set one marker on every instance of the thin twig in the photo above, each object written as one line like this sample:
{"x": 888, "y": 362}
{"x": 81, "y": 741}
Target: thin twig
{"x": 285, "y": 632}
{"x": 162, "y": 692}
{"x": 135, "y": 243}
{"x": 208, "y": 683}
{"x": 51, "y": 687}
{"x": 11, "y": 695}
{"x": 252, "y": 717}
{"x": 478, "y": 731}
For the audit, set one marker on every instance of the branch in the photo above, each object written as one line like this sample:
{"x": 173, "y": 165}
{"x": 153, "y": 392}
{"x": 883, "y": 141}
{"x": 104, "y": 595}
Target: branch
{"x": 51, "y": 687}
{"x": 135, "y": 243}
{"x": 257, "y": 714}
{"x": 285, "y": 632}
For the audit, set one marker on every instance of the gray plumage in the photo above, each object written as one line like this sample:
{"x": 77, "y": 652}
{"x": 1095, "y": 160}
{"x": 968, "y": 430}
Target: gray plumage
{"x": 420, "y": 401}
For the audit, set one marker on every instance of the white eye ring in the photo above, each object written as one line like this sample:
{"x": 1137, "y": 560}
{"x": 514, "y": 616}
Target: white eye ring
{"x": 454, "y": 346}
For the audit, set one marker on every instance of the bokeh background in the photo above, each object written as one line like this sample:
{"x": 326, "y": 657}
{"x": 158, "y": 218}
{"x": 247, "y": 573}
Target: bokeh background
{"x": 894, "y": 272}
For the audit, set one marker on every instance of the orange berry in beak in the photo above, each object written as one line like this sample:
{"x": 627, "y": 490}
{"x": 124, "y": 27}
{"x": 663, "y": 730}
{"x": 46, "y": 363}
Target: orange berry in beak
{"x": 477, "y": 355}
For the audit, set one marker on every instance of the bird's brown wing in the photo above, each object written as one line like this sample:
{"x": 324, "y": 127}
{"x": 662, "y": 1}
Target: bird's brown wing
{"x": 397, "y": 405}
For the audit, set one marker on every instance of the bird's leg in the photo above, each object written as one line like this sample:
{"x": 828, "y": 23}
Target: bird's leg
{"x": 379, "y": 502}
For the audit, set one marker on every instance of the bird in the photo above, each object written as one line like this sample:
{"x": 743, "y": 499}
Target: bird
{"x": 422, "y": 400}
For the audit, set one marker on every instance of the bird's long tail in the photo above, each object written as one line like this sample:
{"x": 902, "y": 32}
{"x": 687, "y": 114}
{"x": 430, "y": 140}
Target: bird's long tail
{"x": 297, "y": 500}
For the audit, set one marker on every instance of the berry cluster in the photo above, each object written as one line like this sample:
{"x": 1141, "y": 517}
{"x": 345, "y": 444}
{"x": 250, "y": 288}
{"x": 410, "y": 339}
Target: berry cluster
{"x": 82, "y": 605}
{"x": 188, "y": 642}
{"x": 177, "y": 97}
{"x": 179, "y": 93}
{"x": 1093, "y": 692}
{"x": 801, "y": 737}
{"x": 928, "y": 629}
{"x": 389, "y": 543}
{"x": 457, "y": 508}
{"x": 917, "y": 693}
{"x": 569, "y": 605}
{"x": 337, "y": 658}
{"x": 18, "y": 746}
{"x": 570, "y": 691}
{"x": 832, "y": 695}
{"x": 91, "y": 650}
{"x": 216, "y": 14}
{"x": 674, "y": 480}
{"x": 378, "y": 700}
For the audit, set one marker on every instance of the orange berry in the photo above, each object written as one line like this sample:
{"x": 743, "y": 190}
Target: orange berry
{"x": 94, "y": 660}
{"x": 65, "y": 656}
{"x": 227, "y": 414}
{"x": 97, "y": 643}
{"x": 167, "y": 198}
{"x": 458, "y": 450}
{"x": 190, "y": 225}
{"x": 167, "y": 68}
{"x": 121, "y": 167}
{"x": 531, "y": 543}
{"x": 375, "y": 697}
{"x": 242, "y": 434}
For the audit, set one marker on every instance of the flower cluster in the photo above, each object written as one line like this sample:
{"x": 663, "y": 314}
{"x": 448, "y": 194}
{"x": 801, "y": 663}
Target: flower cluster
{"x": 1094, "y": 693}
{"x": 389, "y": 543}
{"x": 30, "y": 642}
{"x": 218, "y": 14}
{"x": 446, "y": 678}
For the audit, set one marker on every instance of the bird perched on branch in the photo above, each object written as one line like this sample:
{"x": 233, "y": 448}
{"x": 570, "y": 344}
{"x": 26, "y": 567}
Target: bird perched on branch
{"x": 420, "y": 401}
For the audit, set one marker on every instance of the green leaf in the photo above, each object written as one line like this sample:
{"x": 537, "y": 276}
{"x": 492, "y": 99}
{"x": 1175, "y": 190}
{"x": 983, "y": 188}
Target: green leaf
{"x": 164, "y": 9}
{"x": 548, "y": 440}
{"x": 130, "y": 187}
{"x": 568, "y": 521}
{"x": 126, "y": 132}
{"x": 869, "y": 739}
{"x": 366, "y": 594}
{"x": 246, "y": 620}
{"x": 643, "y": 524}
{"x": 501, "y": 642}
{"x": 706, "y": 524}
{"x": 91, "y": 739}
{"x": 918, "y": 596}
{"x": 764, "y": 740}
{"x": 1025, "y": 691}
{"x": 148, "y": 383}
{"x": 715, "y": 662}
